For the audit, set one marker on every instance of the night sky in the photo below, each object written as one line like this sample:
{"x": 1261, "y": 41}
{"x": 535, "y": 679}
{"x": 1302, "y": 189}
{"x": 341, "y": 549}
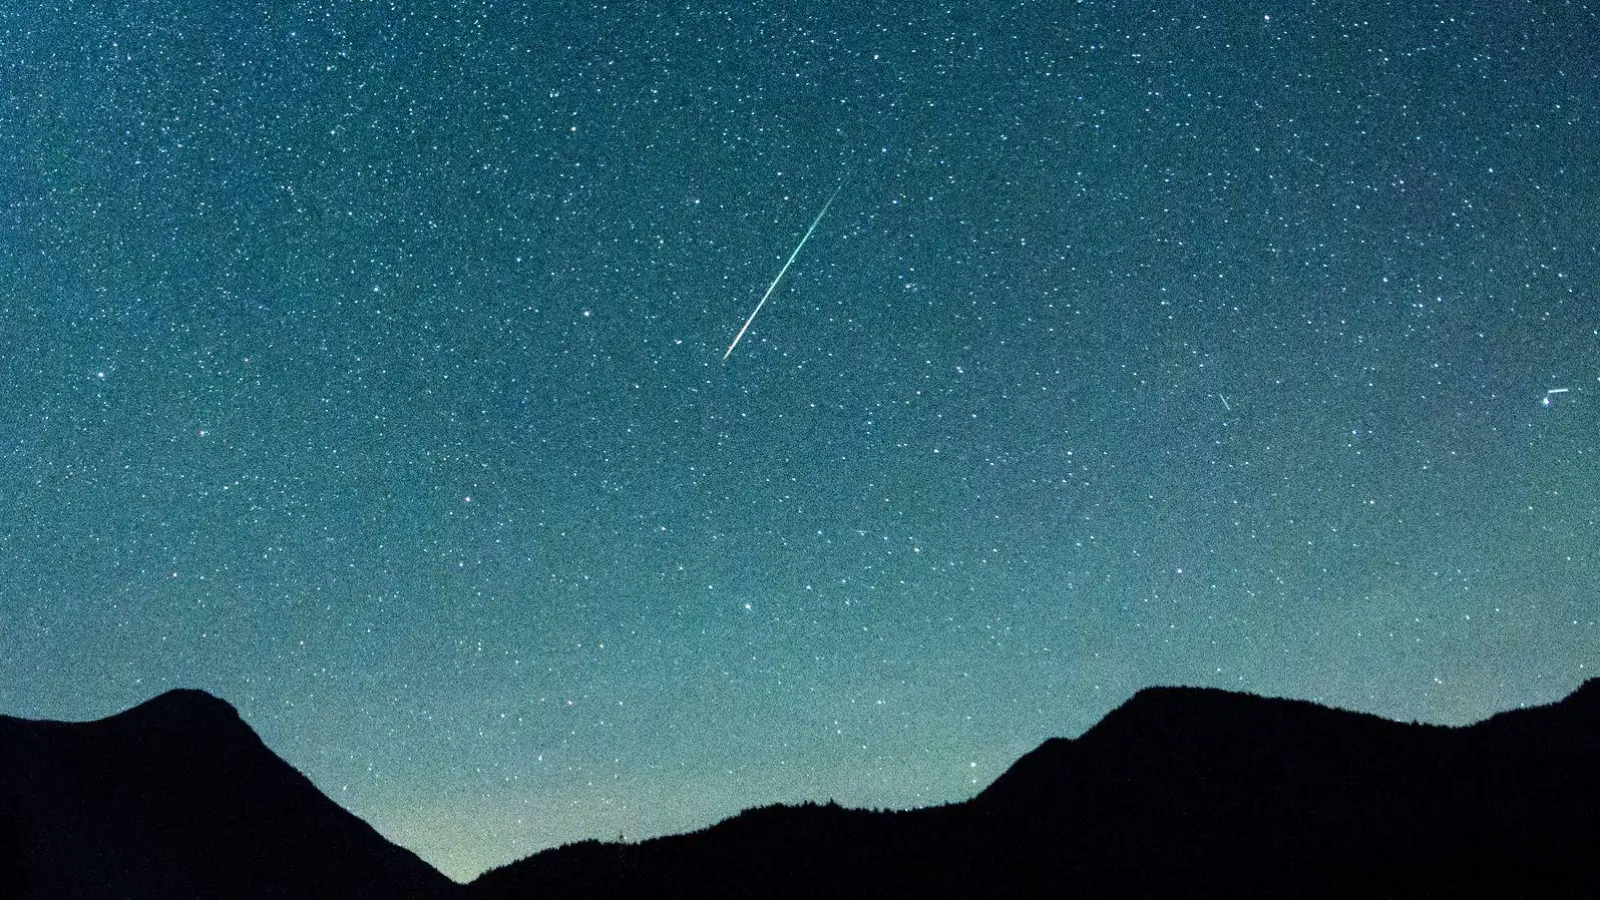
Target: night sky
{"x": 363, "y": 367}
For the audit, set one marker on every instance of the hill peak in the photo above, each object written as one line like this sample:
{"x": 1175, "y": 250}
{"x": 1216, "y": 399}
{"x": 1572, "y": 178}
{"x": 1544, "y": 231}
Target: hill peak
{"x": 178, "y": 797}
{"x": 186, "y": 707}
{"x": 189, "y": 700}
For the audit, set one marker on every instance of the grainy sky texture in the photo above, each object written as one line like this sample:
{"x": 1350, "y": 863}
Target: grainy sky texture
{"x": 363, "y": 366}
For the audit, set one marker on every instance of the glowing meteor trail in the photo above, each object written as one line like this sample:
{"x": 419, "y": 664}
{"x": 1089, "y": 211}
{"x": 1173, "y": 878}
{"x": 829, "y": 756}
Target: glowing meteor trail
{"x": 774, "y": 285}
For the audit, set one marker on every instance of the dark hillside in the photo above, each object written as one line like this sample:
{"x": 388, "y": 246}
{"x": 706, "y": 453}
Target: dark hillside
{"x": 1178, "y": 793}
{"x": 179, "y": 798}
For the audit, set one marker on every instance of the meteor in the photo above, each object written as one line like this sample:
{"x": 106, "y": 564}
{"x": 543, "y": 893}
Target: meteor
{"x": 774, "y": 285}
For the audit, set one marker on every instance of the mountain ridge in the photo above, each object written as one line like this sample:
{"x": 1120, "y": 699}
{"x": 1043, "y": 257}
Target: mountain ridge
{"x": 1178, "y": 792}
{"x": 179, "y": 797}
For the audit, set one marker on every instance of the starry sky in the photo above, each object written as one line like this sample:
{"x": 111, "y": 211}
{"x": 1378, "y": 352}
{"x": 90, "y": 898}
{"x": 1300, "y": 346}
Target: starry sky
{"x": 363, "y": 367}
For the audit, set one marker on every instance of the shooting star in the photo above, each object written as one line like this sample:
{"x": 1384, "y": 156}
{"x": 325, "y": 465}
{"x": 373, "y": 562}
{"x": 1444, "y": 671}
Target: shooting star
{"x": 1225, "y": 403}
{"x": 774, "y": 285}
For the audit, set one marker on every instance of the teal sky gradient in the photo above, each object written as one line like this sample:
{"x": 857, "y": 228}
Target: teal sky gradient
{"x": 363, "y": 367}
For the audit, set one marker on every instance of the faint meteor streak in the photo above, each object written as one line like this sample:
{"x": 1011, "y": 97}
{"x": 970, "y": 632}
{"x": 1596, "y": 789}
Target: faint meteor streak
{"x": 774, "y": 285}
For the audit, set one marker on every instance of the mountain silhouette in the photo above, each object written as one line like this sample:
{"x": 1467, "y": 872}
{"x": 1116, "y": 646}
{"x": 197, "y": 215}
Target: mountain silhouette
{"x": 178, "y": 798}
{"x": 1180, "y": 792}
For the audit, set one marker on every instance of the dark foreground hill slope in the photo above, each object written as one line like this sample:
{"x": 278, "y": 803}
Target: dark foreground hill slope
{"x": 178, "y": 798}
{"x": 1178, "y": 793}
